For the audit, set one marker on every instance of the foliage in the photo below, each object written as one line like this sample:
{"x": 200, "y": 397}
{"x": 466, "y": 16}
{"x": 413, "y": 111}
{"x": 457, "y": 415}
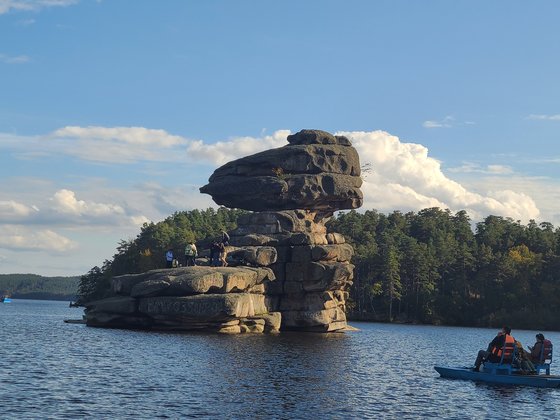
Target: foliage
{"x": 432, "y": 267}
{"x": 33, "y": 286}
{"x": 147, "y": 250}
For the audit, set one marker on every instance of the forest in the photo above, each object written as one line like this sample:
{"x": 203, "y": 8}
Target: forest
{"x": 33, "y": 286}
{"x": 431, "y": 266}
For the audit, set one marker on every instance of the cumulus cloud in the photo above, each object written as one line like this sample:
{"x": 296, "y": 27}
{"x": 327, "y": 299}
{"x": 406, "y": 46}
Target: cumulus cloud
{"x": 12, "y": 210}
{"x": 32, "y": 5}
{"x": 117, "y": 144}
{"x": 405, "y": 177}
{"x": 547, "y": 117}
{"x": 65, "y": 202}
{"x": 16, "y": 237}
{"x": 224, "y": 151}
{"x": 135, "y": 144}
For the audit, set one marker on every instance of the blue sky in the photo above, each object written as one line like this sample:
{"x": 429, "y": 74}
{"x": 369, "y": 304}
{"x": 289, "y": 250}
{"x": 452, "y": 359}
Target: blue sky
{"x": 113, "y": 113}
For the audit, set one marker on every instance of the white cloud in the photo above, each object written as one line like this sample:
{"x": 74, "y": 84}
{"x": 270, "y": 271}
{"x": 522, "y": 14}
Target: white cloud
{"x": 32, "y": 5}
{"x": 117, "y": 144}
{"x": 19, "y": 59}
{"x": 553, "y": 117}
{"x": 447, "y": 122}
{"x": 65, "y": 202}
{"x": 135, "y": 144}
{"x": 404, "y": 177}
{"x": 23, "y": 238}
{"x": 12, "y": 210}
{"x": 469, "y": 167}
{"x": 224, "y": 151}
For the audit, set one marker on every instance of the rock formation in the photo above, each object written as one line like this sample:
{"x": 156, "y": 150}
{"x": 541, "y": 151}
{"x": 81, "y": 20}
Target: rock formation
{"x": 223, "y": 299}
{"x": 316, "y": 171}
{"x": 286, "y": 272}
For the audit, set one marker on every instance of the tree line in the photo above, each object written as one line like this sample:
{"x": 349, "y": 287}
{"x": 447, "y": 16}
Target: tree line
{"x": 433, "y": 267}
{"x": 430, "y": 266}
{"x": 33, "y": 286}
{"x": 147, "y": 250}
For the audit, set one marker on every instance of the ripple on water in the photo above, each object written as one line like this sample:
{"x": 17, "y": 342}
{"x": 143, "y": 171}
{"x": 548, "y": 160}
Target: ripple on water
{"x": 56, "y": 370}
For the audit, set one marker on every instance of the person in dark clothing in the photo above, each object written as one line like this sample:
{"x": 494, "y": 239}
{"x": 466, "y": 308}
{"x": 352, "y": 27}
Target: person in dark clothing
{"x": 494, "y": 351}
{"x": 215, "y": 254}
{"x": 537, "y": 351}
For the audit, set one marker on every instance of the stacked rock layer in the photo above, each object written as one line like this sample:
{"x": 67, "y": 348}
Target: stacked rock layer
{"x": 312, "y": 268}
{"x": 286, "y": 272}
{"x": 223, "y": 299}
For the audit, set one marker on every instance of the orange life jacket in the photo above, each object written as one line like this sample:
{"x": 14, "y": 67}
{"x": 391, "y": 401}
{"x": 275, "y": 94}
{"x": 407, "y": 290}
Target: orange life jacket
{"x": 497, "y": 351}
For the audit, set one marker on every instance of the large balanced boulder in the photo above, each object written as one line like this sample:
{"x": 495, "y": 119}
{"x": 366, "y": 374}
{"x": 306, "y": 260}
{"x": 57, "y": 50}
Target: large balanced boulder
{"x": 315, "y": 171}
{"x": 287, "y": 271}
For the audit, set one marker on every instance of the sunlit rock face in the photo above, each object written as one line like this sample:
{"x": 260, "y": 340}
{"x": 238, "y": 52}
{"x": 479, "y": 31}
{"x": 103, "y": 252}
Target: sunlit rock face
{"x": 286, "y": 272}
{"x": 312, "y": 269}
{"x": 315, "y": 171}
{"x": 221, "y": 299}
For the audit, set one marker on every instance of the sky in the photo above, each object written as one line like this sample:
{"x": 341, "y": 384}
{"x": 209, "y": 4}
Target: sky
{"x": 113, "y": 112}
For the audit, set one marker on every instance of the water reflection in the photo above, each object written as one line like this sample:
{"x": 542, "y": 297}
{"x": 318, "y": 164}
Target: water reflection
{"x": 56, "y": 370}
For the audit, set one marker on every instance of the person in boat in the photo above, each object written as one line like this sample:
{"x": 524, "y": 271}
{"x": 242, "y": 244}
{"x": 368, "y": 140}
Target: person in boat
{"x": 541, "y": 348}
{"x": 523, "y": 359}
{"x": 494, "y": 351}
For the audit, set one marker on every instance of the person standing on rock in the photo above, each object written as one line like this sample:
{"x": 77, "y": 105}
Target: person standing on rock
{"x": 214, "y": 254}
{"x": 222, "y": 255}
{"x": 169, "y": 258}
{"x": 190, "y": 255}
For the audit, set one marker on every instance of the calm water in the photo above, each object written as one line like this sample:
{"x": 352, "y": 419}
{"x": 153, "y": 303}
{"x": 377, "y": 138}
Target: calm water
{"x": 50, "y": 369}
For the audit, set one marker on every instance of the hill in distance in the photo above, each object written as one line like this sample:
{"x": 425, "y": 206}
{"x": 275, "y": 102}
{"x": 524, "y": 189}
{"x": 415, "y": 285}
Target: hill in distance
{"x": 34, "y": 286}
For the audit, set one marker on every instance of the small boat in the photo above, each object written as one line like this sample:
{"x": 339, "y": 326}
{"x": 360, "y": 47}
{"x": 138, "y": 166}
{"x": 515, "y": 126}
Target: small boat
{"x": 506, "y": 370}
{"x": 5, "y": 299}
{"x": 496, "y": 377}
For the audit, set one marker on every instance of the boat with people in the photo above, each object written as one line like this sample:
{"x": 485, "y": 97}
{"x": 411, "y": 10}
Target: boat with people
{"x": 496, "y": 377}
{"x": 507, "y": 369}
{"x": 5, "y": 299}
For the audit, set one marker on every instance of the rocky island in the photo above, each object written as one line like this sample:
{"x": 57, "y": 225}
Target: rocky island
{"x": 285, "y": 271}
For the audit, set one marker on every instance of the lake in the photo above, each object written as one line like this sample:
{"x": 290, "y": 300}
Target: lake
{"x": 50, "y": 369}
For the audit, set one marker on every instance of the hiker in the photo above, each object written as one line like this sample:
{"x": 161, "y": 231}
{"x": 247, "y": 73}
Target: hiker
{"x": 190, "y": 254}
{"x": 221, "y": 255}
{"x": 225, "y": 238}
{"x": 494, "y": 351}
{"x": 169, "y": 258}
{"x": 215, "y": 254}
{"x": 541, "y": 349}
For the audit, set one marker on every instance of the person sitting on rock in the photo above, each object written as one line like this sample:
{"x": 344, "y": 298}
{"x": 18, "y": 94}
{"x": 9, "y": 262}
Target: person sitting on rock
{"x": 494, "y": 351}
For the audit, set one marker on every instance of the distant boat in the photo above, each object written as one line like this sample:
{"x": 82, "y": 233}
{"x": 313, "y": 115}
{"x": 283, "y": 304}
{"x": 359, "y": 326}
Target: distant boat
{"x": 5, "y": 299}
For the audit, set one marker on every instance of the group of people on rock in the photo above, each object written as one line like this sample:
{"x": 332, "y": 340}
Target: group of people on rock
{"x": 218, "y": 251}
{"x": 523, "y": 359}
{"x": 190, "y": 256}
{"x": 217, "y": 254}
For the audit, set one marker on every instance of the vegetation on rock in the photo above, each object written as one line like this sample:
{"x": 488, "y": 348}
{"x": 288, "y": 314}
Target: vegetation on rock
{"x": 425, "y": 267}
